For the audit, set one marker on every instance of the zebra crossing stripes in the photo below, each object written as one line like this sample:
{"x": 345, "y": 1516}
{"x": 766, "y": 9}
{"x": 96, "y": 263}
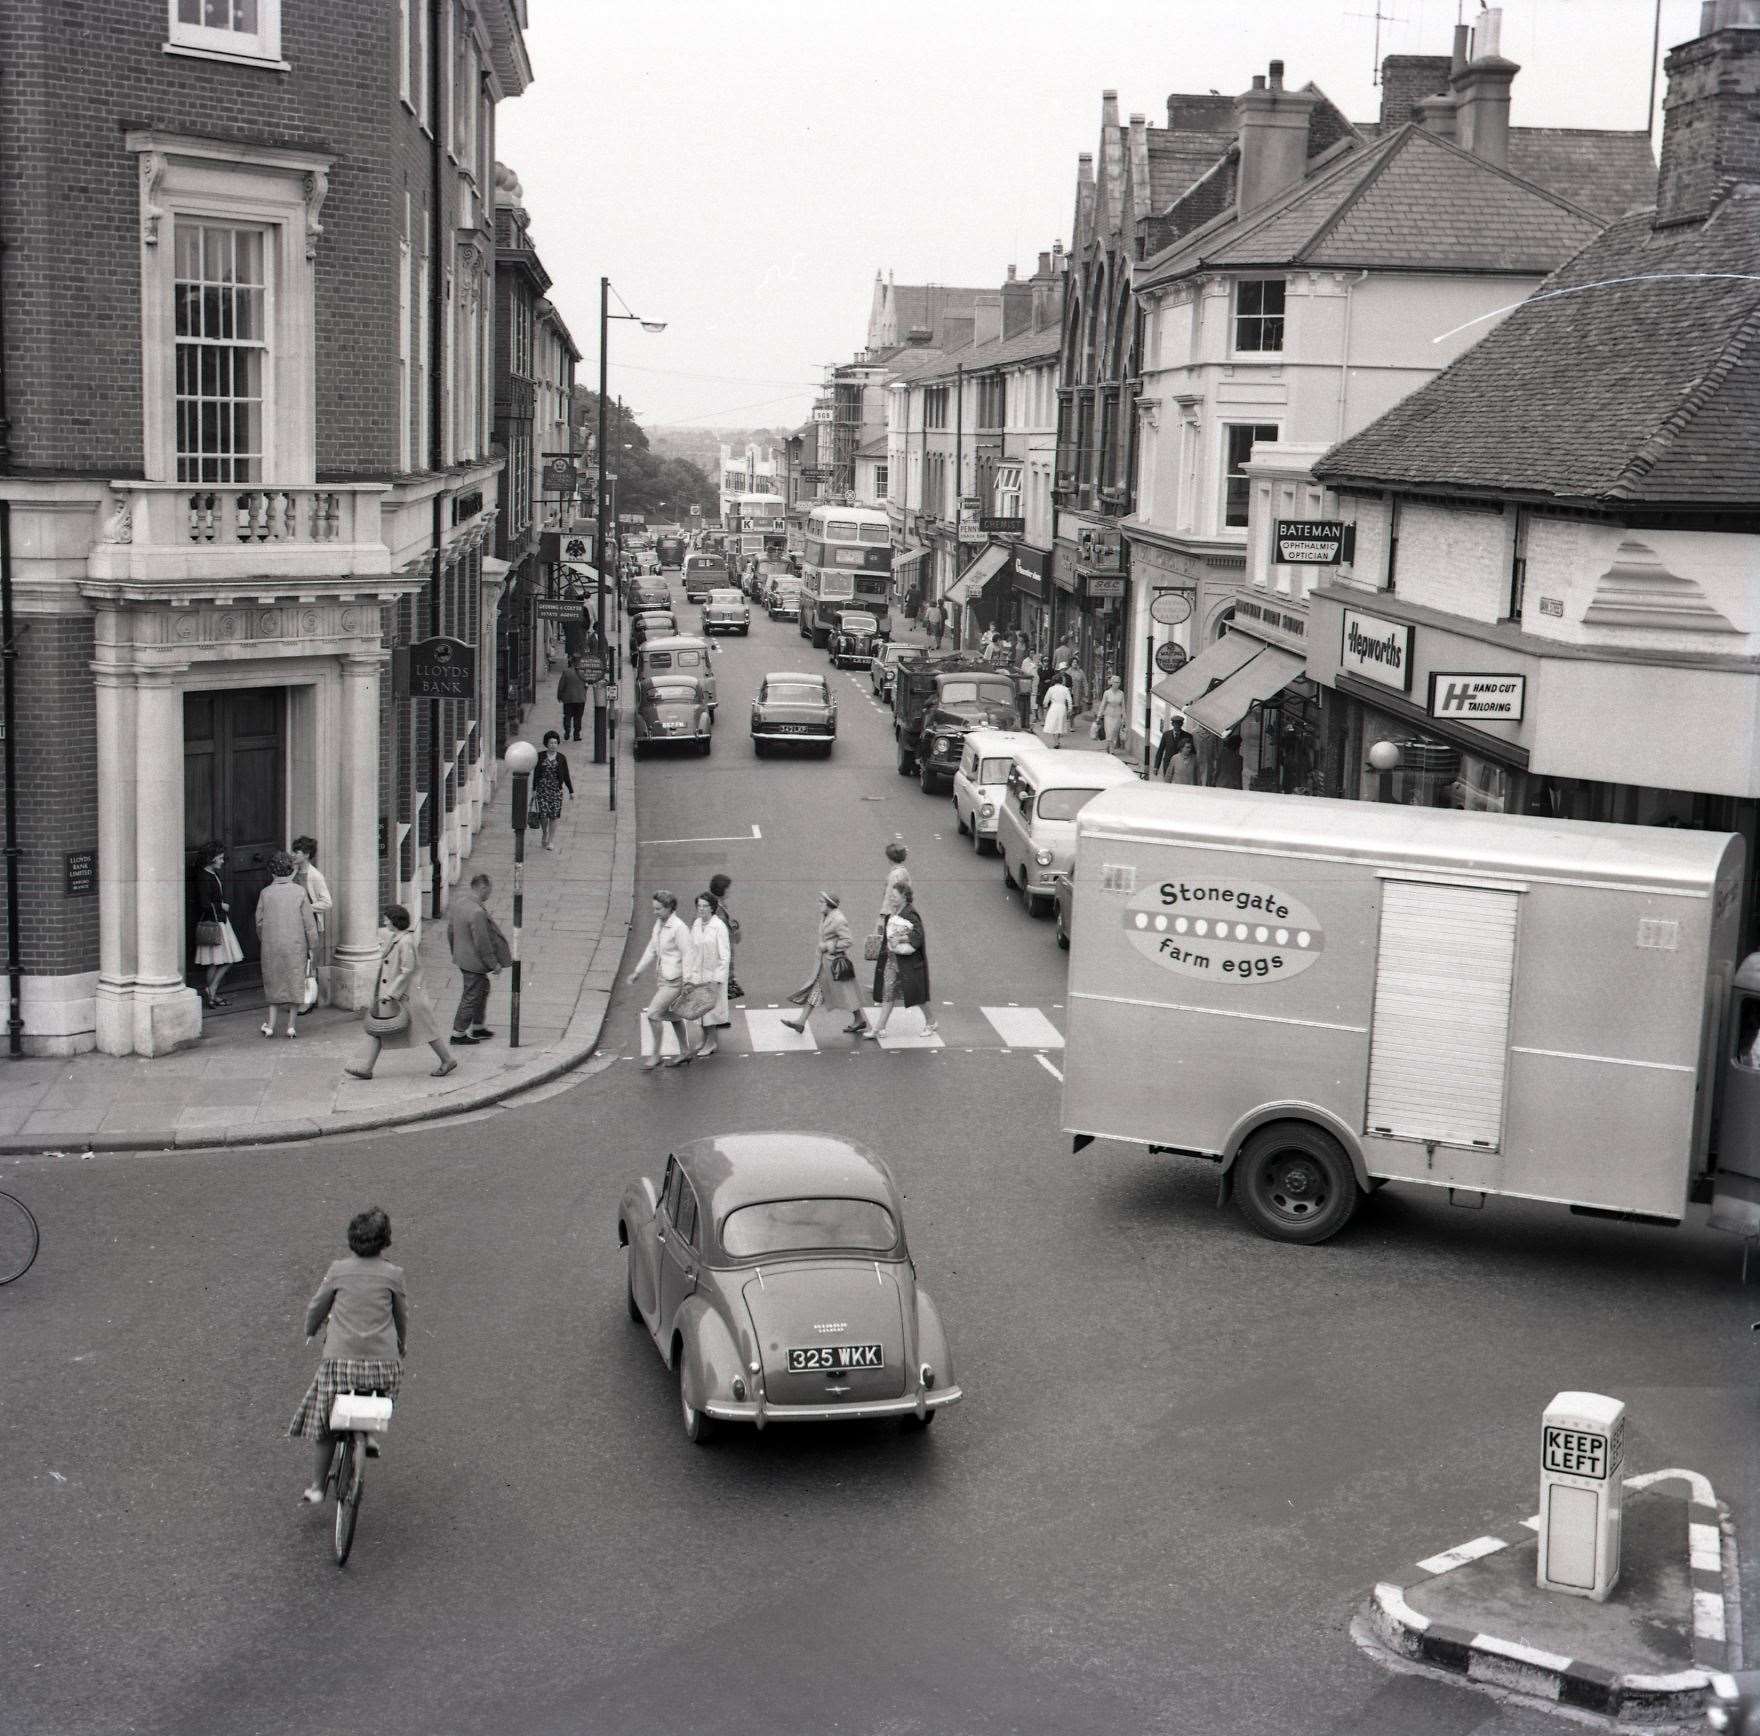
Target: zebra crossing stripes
{"x": 1023, "y": 1028}
{"x": 762, "y": 1031}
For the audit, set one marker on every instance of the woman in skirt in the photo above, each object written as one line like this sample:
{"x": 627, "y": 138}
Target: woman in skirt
{"x": 217, "y": 956}
{"x": 399, "y": 980}
{"x": 549, "y": 780}
{"x": 366, "y": 1306}
{"x": 833, "y": 981}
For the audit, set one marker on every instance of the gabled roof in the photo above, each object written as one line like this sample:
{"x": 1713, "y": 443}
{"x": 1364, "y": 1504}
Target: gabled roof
{"x": 1608, "y": 173}
{"x": 1178, "y": 157}
{"x": 1411, "y": 202}
{"x": 1645, "y": 386}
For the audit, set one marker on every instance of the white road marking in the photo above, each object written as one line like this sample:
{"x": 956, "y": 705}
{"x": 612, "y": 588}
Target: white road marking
{"x": 769, "y": 1035}
{"x": 1055, "y": 1074}
{"x": 739, "y": 838}
{"x": 1459, "y": 1557}
{"x": 668, "y": 1040}
{"x": 905, "y": 1030}
{"x": 1023, "y": 1027}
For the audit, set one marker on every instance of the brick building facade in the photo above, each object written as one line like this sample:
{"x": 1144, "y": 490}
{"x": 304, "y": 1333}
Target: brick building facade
{"x": 246, "y": 401}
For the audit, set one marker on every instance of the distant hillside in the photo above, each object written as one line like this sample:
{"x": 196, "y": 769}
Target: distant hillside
{"x": 702, "y": 446}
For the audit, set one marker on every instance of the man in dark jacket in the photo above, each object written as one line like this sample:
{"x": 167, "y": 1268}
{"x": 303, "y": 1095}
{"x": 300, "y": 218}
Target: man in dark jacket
{"x": 572, "y": 692}
{"x": 479, "y": 949}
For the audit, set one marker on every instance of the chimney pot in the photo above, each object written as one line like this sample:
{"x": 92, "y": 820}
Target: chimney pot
{"x": 1057, "y": 249}
{"x": 1462, "y": 37}
{"x": 1258, "y": 81}
{"x": 1011, "y": 274}
{"x": 1139, "y": 120}
{"x": 1277, "y": 75}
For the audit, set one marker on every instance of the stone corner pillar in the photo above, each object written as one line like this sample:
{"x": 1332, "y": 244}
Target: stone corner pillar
{"x": 356, "y": 880}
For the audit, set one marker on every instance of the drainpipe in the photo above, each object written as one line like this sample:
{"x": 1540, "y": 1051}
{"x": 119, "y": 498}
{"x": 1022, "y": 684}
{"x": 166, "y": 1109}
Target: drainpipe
{"x": 1344, "y": 356}
{"x": 959, "y": 482}
{"x": 436, "y": 438}
{"x": 9, "y": 667}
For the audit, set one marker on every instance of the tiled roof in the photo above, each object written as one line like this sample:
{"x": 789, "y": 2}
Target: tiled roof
{"x": 919, "y": 306}
{"x": 1178, "y": 156}
{"x": 1609, "y": 173}
{"x": 1411, "y": 202}
{"x": 875, "y": 448}
{"x": 1645, "y": 386}
{"x": 916, "y": 364}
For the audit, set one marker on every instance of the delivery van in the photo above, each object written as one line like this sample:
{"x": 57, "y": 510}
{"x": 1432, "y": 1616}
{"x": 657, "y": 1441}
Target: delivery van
{"x": 981, "y": 783}
{"x": 1322, "y": 996}
{"x": 1036, "y": 826}
{"x": 682, "y": 654}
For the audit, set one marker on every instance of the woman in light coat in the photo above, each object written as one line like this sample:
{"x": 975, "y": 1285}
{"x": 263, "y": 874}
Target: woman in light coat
{"x": 399, "y": 978}
{"x": 1112, "y": 712}
{"x": 287, "y": 934}
{"x": 304, "y": 851}
{"x": 1058, "y": 702}
{"x": 711, "y": 964}
{"x": 824, "y": 985}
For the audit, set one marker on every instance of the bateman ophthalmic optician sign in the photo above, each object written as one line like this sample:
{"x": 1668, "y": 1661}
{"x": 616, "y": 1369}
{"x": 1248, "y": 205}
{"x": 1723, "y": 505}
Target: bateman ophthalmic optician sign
{"x": 1311, "y": 542}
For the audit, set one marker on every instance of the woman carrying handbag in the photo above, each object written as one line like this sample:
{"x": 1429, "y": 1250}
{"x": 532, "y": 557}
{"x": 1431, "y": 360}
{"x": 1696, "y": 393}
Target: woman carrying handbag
{"x": 834, "y": 977}
{"x": 217, "y": 948}
{"x": 400, "y": 1010}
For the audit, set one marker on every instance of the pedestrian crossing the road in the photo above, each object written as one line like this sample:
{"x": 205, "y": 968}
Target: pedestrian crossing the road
{"x": 761, "y": 1031}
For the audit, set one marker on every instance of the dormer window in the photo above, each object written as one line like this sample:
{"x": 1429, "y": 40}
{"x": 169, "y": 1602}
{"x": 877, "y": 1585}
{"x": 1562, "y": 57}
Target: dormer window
{"x": 1258, "y": 316}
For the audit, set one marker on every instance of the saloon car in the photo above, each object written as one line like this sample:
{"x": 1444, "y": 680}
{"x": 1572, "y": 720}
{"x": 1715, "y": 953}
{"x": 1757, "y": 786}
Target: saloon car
{"x": 793, "y": 710}
{"x": 855, "y": 636}
{"x": 784, "y": 600}
{"x": 650, "y": 624}
{"x": 672, "y": 709}
{"x": 884, "y": 666}
{"x": 645, "y": 594}
{"x": 757, "y": 578}
{"x": 726, "y": 612}
{"x": 771, "y": 1272}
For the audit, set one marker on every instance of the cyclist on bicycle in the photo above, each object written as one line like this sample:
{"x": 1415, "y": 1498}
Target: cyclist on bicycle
{"x": 364, "y": 1300}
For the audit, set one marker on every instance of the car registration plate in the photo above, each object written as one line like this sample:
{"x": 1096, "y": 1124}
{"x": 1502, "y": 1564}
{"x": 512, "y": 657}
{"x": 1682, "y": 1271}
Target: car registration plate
{"x": 835, "y": 1356}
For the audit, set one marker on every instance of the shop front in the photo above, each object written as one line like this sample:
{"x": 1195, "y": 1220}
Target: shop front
{"x": 977, "y": 598}
{"x": 1062, "y": 607}
{"x": 1030, "y": 583}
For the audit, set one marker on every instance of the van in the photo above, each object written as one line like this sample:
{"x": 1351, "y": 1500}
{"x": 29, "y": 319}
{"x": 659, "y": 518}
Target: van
{"x": 979, "y": 786}
{"x": 682, "y": 654}
{"x": 1036, "y": 825}
{"x": 1321, "y": 996}
{"x": 703, "y": 574}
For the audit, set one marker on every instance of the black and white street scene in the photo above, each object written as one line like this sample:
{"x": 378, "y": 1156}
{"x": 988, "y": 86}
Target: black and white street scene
{"x": 879, "y": 872}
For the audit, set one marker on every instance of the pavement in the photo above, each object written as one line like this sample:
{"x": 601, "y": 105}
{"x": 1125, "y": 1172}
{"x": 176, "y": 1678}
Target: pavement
{"x": 235, "y": 1087}
{"x": 1646, "y": 1652}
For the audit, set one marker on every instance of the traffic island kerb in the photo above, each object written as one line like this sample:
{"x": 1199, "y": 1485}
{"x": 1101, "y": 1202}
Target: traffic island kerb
{"x": 1647, "y": 1653}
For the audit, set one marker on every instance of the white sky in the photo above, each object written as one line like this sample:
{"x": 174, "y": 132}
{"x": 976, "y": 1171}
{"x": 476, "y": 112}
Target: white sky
{"x": 741, "y": 170}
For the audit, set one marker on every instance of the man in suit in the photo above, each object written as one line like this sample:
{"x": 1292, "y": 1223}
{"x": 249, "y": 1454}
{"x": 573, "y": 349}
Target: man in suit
{"x": 479, "y": 949}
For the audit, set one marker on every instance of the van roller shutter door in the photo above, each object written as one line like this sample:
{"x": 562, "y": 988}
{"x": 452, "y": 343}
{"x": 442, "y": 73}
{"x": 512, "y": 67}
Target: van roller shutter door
{"x": 1439, "y": 1040}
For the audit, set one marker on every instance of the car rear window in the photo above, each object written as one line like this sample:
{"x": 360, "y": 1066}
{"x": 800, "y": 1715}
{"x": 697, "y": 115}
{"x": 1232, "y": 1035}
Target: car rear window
{"x": 795, "y": 693}
{"x": 731, "y": 597}
{"x": 786, "y": 1226}
{"x": 857, "y": 623}
{"x": 1064, "y": 804}
{"x": 675, "y": 690}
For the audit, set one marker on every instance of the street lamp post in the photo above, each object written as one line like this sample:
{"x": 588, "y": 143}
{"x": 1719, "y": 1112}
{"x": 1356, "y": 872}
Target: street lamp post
{"x": 1385, "y": 757}
{"x": 600, "y": 488}
{"x": 519, "y": 759}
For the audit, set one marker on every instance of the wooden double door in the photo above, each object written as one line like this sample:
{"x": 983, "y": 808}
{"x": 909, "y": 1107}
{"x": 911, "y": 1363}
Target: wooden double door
{"x": 235, "y": 791}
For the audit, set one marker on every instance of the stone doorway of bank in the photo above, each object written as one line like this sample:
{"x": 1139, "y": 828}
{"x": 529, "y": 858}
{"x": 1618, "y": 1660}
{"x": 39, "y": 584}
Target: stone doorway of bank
{"x": 234, "y": 789}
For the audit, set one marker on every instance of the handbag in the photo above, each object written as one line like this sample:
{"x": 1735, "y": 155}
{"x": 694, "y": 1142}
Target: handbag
{"x": 310, "y": 998}
{"x": 210, "y": 934}
{"x": 694, "y": 1001}
{"x": 1096, "y": 729}
{"x": 842, "y": 971}
{"x": 386, "y": 1016}
{"x": 871, "y": 948}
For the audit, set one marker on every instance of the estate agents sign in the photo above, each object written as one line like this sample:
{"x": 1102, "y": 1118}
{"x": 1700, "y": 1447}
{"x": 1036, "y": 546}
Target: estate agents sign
{"x": 1377, "y": 650}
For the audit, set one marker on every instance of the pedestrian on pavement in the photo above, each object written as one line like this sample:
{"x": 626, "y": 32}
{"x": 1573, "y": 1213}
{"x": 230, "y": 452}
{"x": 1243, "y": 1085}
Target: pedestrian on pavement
{"x": 363, "y": 1306}
{"x": 1228, "y": 769}
{"x": 1185, "y": 762}
{"x": 572, "y": 692}
{"x": 1063, "y": 656}
{"x": 1058, "y": 702}
{"x": 217, "y": 948}
{"x": 833, "y": 981}
{"x": 937, "y": 623}
{"x": 480, "y": 950}
{"x": 1076, "y": 678}
{"x": 549, "y": 780}
{"x": 1167, "y": 748}
{"x": 987, "y": 645}
{"x": 711, "y": 965}
{"x": 901, "y": 974}
{"x": 400, "y": 1010}
{"x": 304, "y": 851}
{"x": 287, "y": 934}
{"x": 1112, "y": 712}
{"x": 718, "y": 884}
{"x": 669, "y": 952}
{"x": 1027, "y": 691}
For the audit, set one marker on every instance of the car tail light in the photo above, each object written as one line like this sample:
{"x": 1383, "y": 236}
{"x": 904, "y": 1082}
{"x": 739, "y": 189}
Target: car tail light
{"x": 739, "y": 1388}
{"x": 927, "y": 1375}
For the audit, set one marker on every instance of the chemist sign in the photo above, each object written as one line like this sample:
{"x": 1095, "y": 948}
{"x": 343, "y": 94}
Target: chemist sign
{"x": 1475, "y": 698}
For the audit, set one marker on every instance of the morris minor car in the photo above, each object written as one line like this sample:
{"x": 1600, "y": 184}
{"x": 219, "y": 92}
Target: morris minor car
{"x": 650, "y": 624}
{"x": 672, "y": 709}
{"x": 771, "y": 1272}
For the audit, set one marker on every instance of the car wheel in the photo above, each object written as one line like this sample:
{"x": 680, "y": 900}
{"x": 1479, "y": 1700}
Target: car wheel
{"x": 906, "y": 765}
{"x": 705, "y": 745}
{"x": 1007, "y": 874}
{"x": 825, "y": 752}
{"x": 1062, "y": 930}
{"x": 637, "y": 747}
{"x": 1293, "y": 1183}
{"x": 758, "y": 748}
{"x": 915, "y": 1425}
{"x": 959, "y": 820}
{"x": 629, "y": 1285}
{"x": 699, "y": 1428}
{"x": 1037, "y": 903}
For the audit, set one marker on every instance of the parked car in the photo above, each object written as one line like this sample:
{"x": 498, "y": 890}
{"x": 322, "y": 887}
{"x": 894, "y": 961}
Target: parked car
{"x": 650, "y": 624}
{"x": 1036, "y": 828}
{"x": 794, "y": 710}
{"x": 884, "y": 666}
{"x": 980, "y": 785}
{"x": 854, "y": 637}
{"x": 726, "y": 612}
{"x": 1063, "y": 905}
{"x": 784, "y": 601}
{"x": 758, "y": 577}
{"x": 675, "y": 709}
{"x": 771, "y": 1271}
{"x": 643, "y": 593}
{"x": 678, "y": 654}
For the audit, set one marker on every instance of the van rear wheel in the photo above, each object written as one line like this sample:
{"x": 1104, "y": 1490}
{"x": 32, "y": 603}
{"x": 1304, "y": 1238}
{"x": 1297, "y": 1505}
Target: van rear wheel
{"x": 1293, "y": 1183}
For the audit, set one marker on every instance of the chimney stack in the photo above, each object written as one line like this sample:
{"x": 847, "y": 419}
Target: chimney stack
{"x": 1406, "y": 79}
{"x": 1481, "y": 91}
{"x": 1711, "y": 114}
{"x": 1436, "y": 114}
{"x": 1017, "y": 304}
{"x": 1044, "y": 266}
{"x": 1109, "y": 108}
{"x": 1272, "y": 126}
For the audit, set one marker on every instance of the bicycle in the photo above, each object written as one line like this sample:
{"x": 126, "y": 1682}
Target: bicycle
{"x": 355, "y": 1417}
{"x": 19, "y": 1238}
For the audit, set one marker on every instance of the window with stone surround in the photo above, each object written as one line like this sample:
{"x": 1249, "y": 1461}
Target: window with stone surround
{"x": 1240, "y": 437}
{"x": 226, "y": 29}
{"x": 1258, "y": 315}
{"x": 221, "y": 314}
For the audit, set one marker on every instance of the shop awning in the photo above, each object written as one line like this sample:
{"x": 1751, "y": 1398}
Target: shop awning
{"x": 904, "y": 564}
{"x": 1219, "y": 687}
{"x": 966, "y": 587}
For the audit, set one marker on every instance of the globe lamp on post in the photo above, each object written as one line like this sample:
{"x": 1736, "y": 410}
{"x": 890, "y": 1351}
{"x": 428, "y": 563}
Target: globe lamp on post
{"x": 1385, "y": 757}
{"x": 519, "y": 759}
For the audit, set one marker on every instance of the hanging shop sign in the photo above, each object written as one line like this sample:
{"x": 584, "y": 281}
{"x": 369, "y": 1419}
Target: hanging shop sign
{"x": 1169, "y": 657}
{"x": 577, "y": 548}
{"x": 560, "y": 474}
{"x": 822, "y": 412}
{"x": 970, "y": 530}
{"x": 439, "y": 668}
{"x": 1099, "y": 549}
{"x": 1313, "y": 542}
{"x": 1376, "y": 649}
{"x": 1478, "y": 698}
{"x": 1171, "y": 607}
{"x": 1006, "y": 526}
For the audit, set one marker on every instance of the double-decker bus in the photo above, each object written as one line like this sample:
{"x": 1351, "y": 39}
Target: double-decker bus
{"x": 846, "y": 563}
{"x": 756, "y": 525}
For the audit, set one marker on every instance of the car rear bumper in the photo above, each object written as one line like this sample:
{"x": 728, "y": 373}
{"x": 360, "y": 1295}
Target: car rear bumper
{"x": 917, "y": 1405}
{"x": 794, "y": 735}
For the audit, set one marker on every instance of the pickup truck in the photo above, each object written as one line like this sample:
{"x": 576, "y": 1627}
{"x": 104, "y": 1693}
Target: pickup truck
{"x": 936, "y": 697}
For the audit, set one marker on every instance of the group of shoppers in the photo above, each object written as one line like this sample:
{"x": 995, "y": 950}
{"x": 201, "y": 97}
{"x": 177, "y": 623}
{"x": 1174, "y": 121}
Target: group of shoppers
{"x": 693, "y": 972}
{"x": 292, "y": 918}
{"x": 1179, "y": 758}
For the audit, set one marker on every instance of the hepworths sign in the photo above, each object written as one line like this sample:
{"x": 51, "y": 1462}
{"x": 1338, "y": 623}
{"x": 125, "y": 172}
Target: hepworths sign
{"x": 1377, "y": 650}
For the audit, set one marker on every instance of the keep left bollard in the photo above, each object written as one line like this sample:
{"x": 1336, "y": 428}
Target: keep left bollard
{"x": 1582, "y": 1451}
